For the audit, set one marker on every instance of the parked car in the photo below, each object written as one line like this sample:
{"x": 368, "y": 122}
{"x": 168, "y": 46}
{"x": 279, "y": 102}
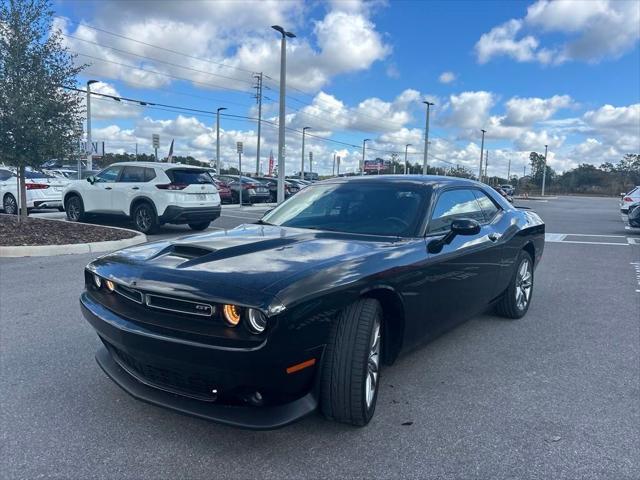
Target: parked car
{"x": 509, "y": 190}
{"x": 634, "y": 215}
{"x": 300, "y": 183}
{"x": 63, "y": 173}
{"x": 253, "y": 191}
{"x": 290, "y": 188}
{"x": 223, "y": 190}
{"x": 150, "y": 193}
{"x": 43, "y": 191}
{"x": 502, "y": 192}
{"x": 627, "y": 199}
{"x": 260, "y": 325}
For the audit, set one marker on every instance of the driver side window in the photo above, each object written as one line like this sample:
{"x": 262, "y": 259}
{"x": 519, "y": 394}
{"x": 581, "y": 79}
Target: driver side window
{"x": 108, "y": 175}
{"x": 452, "y": 205}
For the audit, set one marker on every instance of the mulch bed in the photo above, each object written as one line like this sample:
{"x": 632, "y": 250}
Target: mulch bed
{"x": 37, "y": 231}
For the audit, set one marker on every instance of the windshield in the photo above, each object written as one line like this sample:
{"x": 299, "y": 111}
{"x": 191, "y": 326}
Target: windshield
{"x": 189, "y": 176}
{"x": 389, "y": 209}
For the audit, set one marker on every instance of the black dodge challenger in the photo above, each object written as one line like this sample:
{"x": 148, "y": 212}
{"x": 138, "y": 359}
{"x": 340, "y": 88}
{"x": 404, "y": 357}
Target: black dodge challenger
{"x": 262, "y": 324}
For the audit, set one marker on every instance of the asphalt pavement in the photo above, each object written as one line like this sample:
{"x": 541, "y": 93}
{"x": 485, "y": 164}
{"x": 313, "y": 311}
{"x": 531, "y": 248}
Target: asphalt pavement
{"x": 553, "y": 395}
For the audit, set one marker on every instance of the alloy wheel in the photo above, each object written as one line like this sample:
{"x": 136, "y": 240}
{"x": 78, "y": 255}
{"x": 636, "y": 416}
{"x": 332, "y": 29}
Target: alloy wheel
{"x": 524, "y": 283}
{"x": 373, "y": 365}
{"x": 73, "y": 210}
{"x": 143, "y": 219}
{"x": 10, "y": 206}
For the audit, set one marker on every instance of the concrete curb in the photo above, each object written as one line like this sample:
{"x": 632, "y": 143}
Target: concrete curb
{"x": 72, "y": 248}
{"x": 535, "y": 198}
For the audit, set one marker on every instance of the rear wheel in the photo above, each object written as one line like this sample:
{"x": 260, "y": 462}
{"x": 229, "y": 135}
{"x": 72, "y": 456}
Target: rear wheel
{"x": 517, "y": 298}
{"x": 199, "y": 226}
{"x": 9, "y": 204}
{"x": 351, "y": 369}
{"x": 75, "y": 209}
{"x": 145, "y": 218}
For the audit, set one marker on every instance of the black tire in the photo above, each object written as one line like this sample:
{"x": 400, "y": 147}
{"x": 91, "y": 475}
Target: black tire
{"x": 199, "y": 226}
{"x": 9, "y": 204}
{"x": 510, "y": 305}
{"x": 346, "y": 361}
{"x": 145, "y": 218}
{"x": 74, "y": 208}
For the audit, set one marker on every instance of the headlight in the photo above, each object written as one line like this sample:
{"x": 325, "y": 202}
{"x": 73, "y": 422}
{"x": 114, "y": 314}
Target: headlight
{"x": 231, "y": 314}
{"x": 257, "y": 320}
{"x": 97, "y": 281}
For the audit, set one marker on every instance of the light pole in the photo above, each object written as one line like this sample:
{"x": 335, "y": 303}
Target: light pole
{"x": 544, "y": 170}
{"x": 425, "y": 162}
{"x": 406, "y": 149}
{"x": 281, "y": 120}
{"x": 89, "y": 142}
{"x": 304, "y": 130}
{"x": 481, "y": 154}
{"x": 364, "y": 148}
{"x": 218, "y": 139}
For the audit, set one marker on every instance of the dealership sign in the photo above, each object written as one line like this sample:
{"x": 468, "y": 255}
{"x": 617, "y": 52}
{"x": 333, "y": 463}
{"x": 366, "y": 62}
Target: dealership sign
{"x": 377, "y": 164}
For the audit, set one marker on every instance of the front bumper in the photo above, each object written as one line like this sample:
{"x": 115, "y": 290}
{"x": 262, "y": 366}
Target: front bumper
{"x": 175, "y": 214}
{"x": 177, "y": 373}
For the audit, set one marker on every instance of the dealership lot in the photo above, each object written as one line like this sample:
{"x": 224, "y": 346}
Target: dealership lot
{"x": 554, "y": 394}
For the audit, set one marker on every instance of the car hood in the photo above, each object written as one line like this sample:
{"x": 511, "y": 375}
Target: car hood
{"x": 247, "y": 265}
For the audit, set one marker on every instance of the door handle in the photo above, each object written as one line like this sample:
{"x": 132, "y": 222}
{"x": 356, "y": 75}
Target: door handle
{"x": 494, "y": 237}
{"x": 107, "y": 188}
{"x": 135, "y": 188}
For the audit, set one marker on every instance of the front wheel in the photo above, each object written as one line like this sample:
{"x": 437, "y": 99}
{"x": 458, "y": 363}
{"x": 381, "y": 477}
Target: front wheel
{"x": 9, "y": 204}
{"x": 145, "y": 218}
{"x": 517, "y": 298}
{"x": 199, "y": 226}
{"x": 351, "y": 365}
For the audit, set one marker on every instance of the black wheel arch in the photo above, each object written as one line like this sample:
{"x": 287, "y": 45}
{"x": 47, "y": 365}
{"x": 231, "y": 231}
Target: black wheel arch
{"x": 70, "y": 195}
{"x": 393, "y": 319}
{"x": 140, "y": 200}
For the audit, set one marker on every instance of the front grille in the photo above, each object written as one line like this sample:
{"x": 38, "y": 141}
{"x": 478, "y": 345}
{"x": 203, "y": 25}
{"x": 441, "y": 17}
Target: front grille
{"x": 129, "y": 293}
{"x": 180, "y": 306}
{"x": 190, "y": 384}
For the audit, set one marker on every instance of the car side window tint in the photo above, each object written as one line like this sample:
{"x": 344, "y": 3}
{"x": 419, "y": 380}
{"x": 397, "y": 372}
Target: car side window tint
{"x": 149, "y": 174}
{"x": 5, "y": 175}
{"x": 489, "y": 208}
{"x": 452, "y": 205}
{"x": 108, "y": 175}
{"x": 132, "y": 174}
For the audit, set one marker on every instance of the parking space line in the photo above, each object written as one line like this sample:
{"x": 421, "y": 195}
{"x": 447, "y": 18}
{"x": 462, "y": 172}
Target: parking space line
{"x": 596, "y": 243}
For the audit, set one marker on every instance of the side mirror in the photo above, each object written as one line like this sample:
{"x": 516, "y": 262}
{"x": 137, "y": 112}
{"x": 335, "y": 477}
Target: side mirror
{"x": 91, "y": 179}
{"x": 462, "y": 226}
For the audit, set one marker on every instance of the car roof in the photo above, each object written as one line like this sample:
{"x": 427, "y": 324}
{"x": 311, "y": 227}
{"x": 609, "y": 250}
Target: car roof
{"x": 160, "y": 165}
{"x": 434, "y": 181}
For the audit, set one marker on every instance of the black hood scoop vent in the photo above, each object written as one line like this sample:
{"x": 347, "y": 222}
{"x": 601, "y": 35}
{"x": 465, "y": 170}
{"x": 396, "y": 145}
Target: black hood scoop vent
{"x": 188, "y": 252}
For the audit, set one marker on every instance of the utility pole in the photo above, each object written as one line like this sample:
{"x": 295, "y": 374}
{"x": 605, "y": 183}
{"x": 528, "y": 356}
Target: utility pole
{"x": 481, "y": 154}
{"x": 544, "y": 169}
{"x": 486, "y": 166}
{"x": 338, "y": 165}
{"x": 239, "y": 148}
{"x": 218, "y": 139}
{"x": 89, "y": 142}
{"x": 304, "y": 131}
{"x": 406, "y": 149}
{"x": 310, "y": 164}
{"x": 509, "y": 171}
{"x": 425, "y": 162}
{"x": 281, "y": 120}
{"x": 258, "y": 88}
{"x": 333, "y": 171}
{"x": 136, "y": 151}
{"x": 364, "y": 147}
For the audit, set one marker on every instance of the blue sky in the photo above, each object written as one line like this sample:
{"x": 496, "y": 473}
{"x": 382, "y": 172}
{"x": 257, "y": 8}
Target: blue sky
{"x": 563, "y": 73}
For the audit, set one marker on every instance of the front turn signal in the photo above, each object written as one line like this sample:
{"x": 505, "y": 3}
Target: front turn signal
{"x": 231, "y": 314}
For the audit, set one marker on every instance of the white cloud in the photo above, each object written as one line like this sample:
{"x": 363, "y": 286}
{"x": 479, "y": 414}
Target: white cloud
{"x": 105, "y": 108}
{"x": 526, "y": 111}
{"x": 447, "y": 77}
{"x": 536, "y": 140}
{"x": 469, "y": 109}
{"x": 591, "y": 30}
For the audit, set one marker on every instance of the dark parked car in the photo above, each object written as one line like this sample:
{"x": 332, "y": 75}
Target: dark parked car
{"x": 290, "y": 188}
{"x": 263, "y": 324}
{"x": 253, "y": 191}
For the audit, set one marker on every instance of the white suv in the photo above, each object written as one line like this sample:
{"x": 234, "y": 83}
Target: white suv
{"x": 43, "y": 191}
{"x": 149, "y": 193}
{"x": 628, "y": 198}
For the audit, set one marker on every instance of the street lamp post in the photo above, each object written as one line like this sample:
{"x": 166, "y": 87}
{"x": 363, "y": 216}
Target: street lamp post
{"x": 304, "y": 130}
{"x": 406, "y": 165}
{"x": 218, "y": 139}
{"x": 481, "y": 154}
{"x": 544, "y": 169}
{"x": 425, "y": 162}
{"x": 364, "y": 148}
{"x": 281, "y": 120}
{"x": 89, "y": 141}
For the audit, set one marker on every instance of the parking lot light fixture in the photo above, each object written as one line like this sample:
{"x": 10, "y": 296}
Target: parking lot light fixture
{"x": 281, "y": 117}
{"x": 544, "y": 168}
{"x": 218, "y": 139}
{"x": 406, "y": 149}
{"x": 364, "y": 148}
{"x": 481, "y": 154}
{"x": 425, "y": 162}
